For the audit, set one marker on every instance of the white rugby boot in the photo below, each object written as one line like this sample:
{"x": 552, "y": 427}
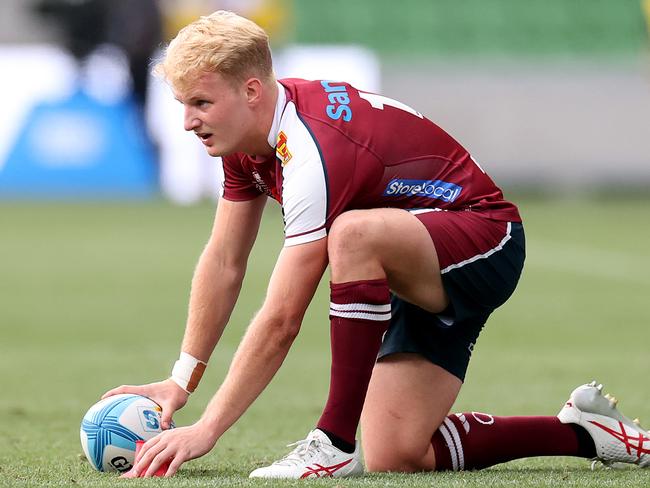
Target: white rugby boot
{"x": 314, "y": 457}
{"x": 617, "y": 438}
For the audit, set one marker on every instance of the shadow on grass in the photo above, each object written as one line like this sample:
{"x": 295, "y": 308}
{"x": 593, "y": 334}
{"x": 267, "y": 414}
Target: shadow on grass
{"x": 213, "y": 473}
{"x": 226, "y": 472}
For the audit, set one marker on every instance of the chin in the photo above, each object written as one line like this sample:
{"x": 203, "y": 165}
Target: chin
{"x": 221, "y": 151}
{"x": 215, "y": 151}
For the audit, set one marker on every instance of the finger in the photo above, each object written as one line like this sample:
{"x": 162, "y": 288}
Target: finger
{"x": 129, "y": 474}
{"x": 166, "y": 418}
{"x": 145, "y": 447}
{"x": 163, "y": 457}
{"x": 174, "y": 465}
{"x": 146, "y": 456}
{"x": 114, "y": 391}
{"x": 119, "y": 390}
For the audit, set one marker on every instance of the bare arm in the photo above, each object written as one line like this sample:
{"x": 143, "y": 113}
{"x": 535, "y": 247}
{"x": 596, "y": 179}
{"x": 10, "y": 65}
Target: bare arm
{"x": 219, "y": 274}
{"x": 270, "y": 335}
{"x": 215, "y": 288}
{"x": 260, "y": 354}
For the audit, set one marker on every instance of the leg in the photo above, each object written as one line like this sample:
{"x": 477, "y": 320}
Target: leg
{"x": 366, "y": 260}
{"x": 390, "y": 244}
{"x": 408, "y": 398}
{"x": 370, "y": 253}
{"x": 373, "y": 250}
{"x": 405, "y": 426}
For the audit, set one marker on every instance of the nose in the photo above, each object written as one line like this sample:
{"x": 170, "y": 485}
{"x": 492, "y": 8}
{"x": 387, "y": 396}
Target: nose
{"x": 190, "y": 120}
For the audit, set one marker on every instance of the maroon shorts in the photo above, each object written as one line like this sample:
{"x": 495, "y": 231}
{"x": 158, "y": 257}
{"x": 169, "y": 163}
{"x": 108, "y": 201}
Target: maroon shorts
{"x": 462, "y": 236}
{"x": 480, "y": 261}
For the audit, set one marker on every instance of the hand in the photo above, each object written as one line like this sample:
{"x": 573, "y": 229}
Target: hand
{"x": 178, "y": 445}
{"x": 167, "y": 394}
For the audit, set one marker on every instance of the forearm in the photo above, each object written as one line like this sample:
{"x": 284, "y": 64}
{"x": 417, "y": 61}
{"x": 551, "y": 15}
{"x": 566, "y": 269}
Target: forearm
{"x": 270, "y": 335}
{"x": 216, "y": 284}
{"x": 215, "y": 288}
{"x": 258, "y": 358}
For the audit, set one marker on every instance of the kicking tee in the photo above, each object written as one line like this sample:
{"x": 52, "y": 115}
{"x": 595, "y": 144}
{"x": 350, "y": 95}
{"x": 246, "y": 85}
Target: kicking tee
{"x": 338, "y": 148}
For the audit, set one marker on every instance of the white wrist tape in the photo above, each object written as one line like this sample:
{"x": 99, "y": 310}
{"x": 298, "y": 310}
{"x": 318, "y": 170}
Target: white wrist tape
{"x": 187, "y": 372}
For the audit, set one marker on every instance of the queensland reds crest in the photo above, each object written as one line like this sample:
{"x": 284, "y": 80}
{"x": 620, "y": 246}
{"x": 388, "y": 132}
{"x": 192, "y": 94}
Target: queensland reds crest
{"x": 281, "y": 149}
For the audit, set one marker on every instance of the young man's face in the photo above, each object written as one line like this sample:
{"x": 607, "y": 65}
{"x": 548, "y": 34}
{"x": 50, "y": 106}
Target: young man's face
{"x": 218, "y": 112}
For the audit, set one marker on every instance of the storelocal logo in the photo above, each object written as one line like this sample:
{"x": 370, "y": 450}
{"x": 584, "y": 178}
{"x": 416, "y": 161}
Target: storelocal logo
{"x": 440, "y": 190}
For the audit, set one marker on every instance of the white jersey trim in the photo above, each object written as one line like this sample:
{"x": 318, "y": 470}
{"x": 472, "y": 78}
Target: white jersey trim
{"x": 302, "y": 239}
{"x": 417, "y": 211}
{"x": 304, "y": 183}
{"x": 481, "y": 256}
{"x": 272, "y": 138}
{"x": 221, "y": 177}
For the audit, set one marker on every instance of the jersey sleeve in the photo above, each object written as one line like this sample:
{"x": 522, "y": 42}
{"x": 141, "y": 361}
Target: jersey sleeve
{"x": 236, "y": 184}
{"x": 304, "y": 184}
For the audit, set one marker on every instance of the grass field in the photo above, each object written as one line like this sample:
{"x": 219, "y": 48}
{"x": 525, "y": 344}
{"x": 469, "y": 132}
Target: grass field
{"x": 94, "y": 295}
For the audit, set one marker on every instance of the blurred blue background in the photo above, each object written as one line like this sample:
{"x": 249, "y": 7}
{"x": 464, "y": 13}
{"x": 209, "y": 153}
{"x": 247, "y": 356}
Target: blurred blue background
{"x": 551, "y": 96}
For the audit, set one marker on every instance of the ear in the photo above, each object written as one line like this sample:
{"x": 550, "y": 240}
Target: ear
{"x": 254, "y": 91}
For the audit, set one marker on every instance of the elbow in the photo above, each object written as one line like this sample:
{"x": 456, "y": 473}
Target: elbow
{"x": 234, "y": 275}
{"x": 227, "y": 266}
{"x": 286, "y": 333}
{"x": 283, "y": 330}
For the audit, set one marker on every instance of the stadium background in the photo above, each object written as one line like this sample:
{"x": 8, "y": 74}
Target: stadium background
{"x": 96, "y": 254}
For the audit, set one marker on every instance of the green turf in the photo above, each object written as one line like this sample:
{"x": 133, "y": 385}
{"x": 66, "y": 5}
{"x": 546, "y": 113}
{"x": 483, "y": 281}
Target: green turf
{"x": 95, "y": 295}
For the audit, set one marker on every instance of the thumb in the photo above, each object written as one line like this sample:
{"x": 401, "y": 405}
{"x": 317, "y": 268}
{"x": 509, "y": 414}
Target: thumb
{"x": 119, "y": 390}
{"x": 166, "y": 418}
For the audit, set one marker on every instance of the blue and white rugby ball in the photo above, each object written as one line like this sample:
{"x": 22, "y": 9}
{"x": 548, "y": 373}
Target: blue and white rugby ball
{"x": 111, "y": 426}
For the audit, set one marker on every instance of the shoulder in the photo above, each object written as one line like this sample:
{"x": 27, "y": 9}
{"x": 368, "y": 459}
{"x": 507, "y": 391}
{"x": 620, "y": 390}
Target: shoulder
{"x": 319, "y": 110}
{"x": 324, "y": 100}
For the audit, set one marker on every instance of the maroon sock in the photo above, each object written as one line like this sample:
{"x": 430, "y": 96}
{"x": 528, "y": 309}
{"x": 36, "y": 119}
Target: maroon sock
{"x": 359, "y": 316}
{"x": 475, "y": 440}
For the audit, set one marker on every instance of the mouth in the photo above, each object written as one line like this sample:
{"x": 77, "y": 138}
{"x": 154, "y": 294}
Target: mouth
{"x": 204, "y": 137}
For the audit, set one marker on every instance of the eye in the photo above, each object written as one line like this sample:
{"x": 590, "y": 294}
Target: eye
{"x": 202, "y": 103}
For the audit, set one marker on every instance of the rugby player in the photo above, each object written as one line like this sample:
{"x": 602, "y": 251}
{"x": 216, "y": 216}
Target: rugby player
{"x": 421, "y": 246}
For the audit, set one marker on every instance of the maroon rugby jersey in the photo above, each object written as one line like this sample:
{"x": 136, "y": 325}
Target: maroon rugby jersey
{"x": 339, "y": 148}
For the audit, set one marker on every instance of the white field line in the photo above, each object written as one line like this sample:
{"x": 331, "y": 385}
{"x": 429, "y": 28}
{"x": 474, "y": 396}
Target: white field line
{"x": 588, "y": 261}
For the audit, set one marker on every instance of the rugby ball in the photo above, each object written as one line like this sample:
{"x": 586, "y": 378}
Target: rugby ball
{"x": 111, "y": 426}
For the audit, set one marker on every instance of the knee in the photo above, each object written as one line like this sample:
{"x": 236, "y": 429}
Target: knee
{"x": 398, "y": 457}
{"x": 352, "y": 236}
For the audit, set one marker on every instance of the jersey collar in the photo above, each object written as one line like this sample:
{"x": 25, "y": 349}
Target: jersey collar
{"x": 277, "y": 116}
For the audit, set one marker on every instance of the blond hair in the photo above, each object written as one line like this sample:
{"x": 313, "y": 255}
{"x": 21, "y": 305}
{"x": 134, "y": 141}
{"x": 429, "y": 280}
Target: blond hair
{"x": 222, "y": 42}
